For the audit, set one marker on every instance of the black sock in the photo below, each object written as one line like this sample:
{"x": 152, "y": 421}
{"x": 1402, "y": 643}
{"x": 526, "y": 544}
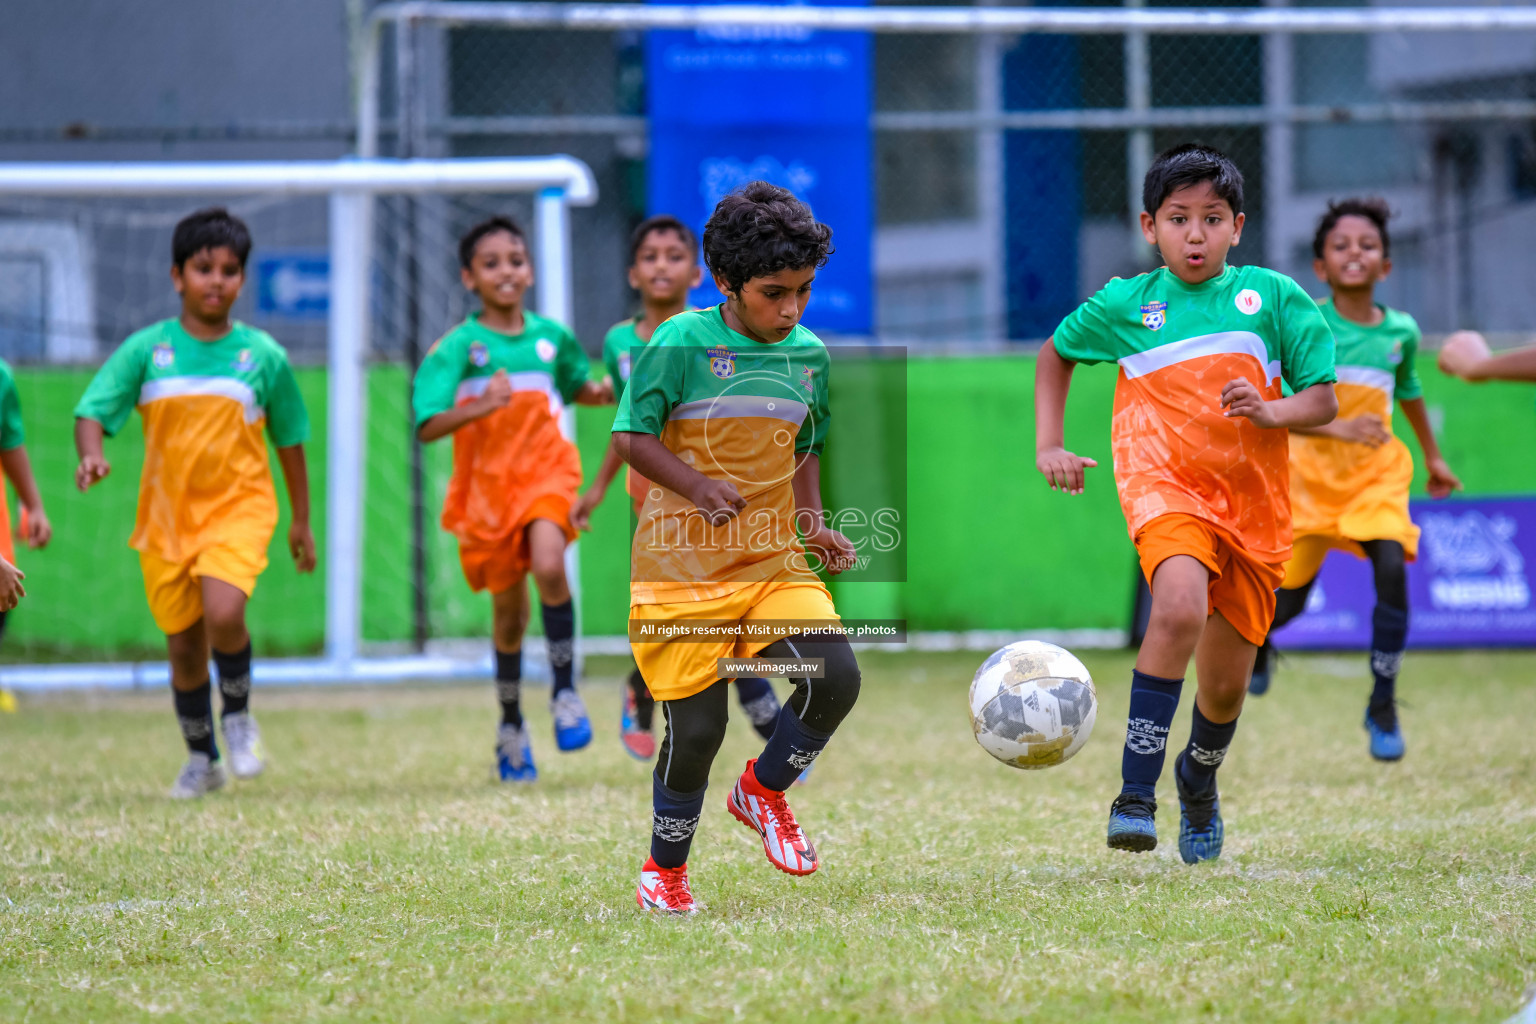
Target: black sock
{"x": 674, "y": 819}
{"x": 194, "y": 712}
{"x": 1153, "y": 703}
{"x": 509, "y": 675}
{"x": 760, "y": 703}
{"x": 234, "y": 679}
{"x": 1208, "y": 743}
{"x": 791, "y": 750}
{"x": 1389, "y": 635}
{"x": 645, "y": 704}
{"x": 559, "y": 628}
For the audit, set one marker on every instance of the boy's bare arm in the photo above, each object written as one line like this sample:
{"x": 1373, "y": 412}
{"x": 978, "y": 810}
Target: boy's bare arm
{"x": 1466, "y": 355}
{"x": 93, "y": 464}
{"x": 18, "y": 470}
{"x": 301, "y": 539}
{"x": 719, "y": 499}
{"x": 834, "y": 550}
{"x": 497, "y": 394}
{"x": 1053, "y": 378}
{"x": 1311, "y": 407}
{"x": 595, "y": 392}
{"x": 1441, "y": 480}
{"x": 581, "y": 514}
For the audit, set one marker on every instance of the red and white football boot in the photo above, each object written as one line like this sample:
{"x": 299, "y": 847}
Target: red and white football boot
{"x": 766, "y": 812}
{"x": 665, "y": 890}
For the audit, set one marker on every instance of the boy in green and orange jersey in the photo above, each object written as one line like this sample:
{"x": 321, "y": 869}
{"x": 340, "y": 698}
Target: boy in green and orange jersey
{"x": 663, "y": 268}
{"x": 206, "y": 387}
{"x": 1350, "y": 478}
{"x": 35, "y": 528}
{"x": 726, "y": 413}
{"x": 498, "y": 383}
{"x": 1201, "y": 464}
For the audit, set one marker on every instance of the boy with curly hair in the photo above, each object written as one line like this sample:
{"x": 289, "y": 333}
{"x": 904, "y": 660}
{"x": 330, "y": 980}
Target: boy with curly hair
{"x": 726, "y": 414}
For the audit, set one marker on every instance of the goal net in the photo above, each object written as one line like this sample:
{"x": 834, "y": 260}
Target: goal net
{"x": 355, "y": 271}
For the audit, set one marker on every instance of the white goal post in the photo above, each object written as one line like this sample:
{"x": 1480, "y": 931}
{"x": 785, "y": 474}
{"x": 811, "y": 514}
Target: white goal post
{"x": 557, "y": 182}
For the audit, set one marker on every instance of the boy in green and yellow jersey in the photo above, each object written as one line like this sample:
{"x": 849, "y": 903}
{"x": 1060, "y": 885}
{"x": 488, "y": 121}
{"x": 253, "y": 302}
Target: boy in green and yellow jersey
{"x": 1350, "y": 478}
{"x": 498, "y": 383}
{"x": 1201, "y": 464}
{"x": 207, "y": 388}
{"x": 35, "y": 528}
{"x": 663, "y": 268}
{"x": 726, "y": 414}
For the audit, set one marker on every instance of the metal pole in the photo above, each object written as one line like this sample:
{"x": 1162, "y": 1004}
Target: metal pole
{"x": 552, "y": 226}
{"x": 1279, "y": 144}
{"x": 350, "y": 229}
{"x": 406, "y": 146}
{"x": 1138, "y": 141}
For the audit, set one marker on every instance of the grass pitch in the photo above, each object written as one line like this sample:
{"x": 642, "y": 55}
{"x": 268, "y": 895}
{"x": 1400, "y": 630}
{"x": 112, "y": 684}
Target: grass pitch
{"x": 375, "y": 873}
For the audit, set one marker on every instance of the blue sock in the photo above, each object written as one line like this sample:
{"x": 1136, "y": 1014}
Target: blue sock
{"x": 559, "y": 628}
{"x": 760, "y": 703}
{"x": 1389, "y": 635}
{"x": 674, "y": 819}
{"x": 194, "y": 712}
{"x": 234, "y": 680}
{"x": 509, "y": 685}
{"x": 1208, "y": 743}
{"x": 790, "y": 751}
{"x": 1153, "y": 703}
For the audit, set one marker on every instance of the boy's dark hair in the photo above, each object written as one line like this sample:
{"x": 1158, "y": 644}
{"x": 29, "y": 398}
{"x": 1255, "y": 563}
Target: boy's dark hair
{"x": 489, "y": 226}
{"x": 661, "y": 222}
{"x": 1373, "y": 209}
{"x": 761, "y": 229}
{"x": 211, "y": 228}
{"x": 1190, "y": 164}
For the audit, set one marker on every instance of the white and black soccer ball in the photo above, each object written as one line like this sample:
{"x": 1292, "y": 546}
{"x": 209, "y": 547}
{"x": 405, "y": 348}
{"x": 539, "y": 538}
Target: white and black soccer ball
{"x": 1032, "y": 704}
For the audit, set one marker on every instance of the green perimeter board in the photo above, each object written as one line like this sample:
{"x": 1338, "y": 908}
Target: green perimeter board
{"x": 989, "y": 545}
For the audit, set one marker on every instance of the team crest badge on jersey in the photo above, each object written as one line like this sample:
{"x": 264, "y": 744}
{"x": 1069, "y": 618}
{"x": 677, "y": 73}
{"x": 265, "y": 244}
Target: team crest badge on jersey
{"x": 722, "y": 362}
{"x": 1248, "y": 301}
{"x": 623, "y": 366}
{"x": 479, "y": 355}
{"x": 244, "y": 362}
{"x": 1154, "y": 315}
{"x": 1396, "y": 355}
{"x": 545, "y": 349}
{"x": 163, "y": 356}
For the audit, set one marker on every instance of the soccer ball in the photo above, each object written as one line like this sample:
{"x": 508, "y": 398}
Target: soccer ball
{"x": 1032, "y": 705}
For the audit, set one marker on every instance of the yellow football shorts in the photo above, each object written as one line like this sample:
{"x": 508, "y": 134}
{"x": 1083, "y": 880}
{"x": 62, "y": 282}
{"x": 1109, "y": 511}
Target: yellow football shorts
{"x": 175, "y": 589}
{"x": 682, "y": 666}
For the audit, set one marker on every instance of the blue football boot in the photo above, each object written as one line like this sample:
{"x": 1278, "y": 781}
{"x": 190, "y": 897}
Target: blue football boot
{"x": 1386, "y": 733}
{"x": 1263, "y": 666}
{"x": 514, "y": 755}
{"x": 1200, "y": 828}
{"x": 573, "y": 729}
{"x": 1131, "y": 825}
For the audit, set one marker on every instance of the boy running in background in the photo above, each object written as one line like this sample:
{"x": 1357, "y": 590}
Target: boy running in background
{"x": 663, "y": 268}
{"x": 1201, "y": 464}
{"x": 206, "y": 386}
{"x": 1465, "y": 354}
{"x": 498, "y": 383}
{"x": 726, "y": 414}
{"x": 35, "y": 528}
{"x": 1350, "y": 478}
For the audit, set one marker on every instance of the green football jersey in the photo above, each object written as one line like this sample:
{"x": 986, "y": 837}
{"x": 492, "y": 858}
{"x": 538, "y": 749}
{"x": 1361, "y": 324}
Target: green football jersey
{"x": 1177, "y": 346}
{"x": 544, "y": 358}
{"x": 1379, "y": 355}
{"x": 737, "y": 410}
{"x": 11, "y": 433}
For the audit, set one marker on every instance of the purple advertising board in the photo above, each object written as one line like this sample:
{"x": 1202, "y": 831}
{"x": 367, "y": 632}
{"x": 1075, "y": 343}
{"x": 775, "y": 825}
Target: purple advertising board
{"x": 1471, "y": 585}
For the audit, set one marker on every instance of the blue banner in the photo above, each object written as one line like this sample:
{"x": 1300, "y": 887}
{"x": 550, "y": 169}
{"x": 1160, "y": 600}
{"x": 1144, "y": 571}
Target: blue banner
{"x": 1470, "y": 587}
{"x": 784, "y": 104}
